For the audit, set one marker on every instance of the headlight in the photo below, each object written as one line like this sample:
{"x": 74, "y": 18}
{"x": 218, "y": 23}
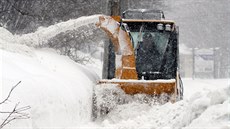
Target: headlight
{"x": 160, "y": 26}
{"x": 168, "y": 27}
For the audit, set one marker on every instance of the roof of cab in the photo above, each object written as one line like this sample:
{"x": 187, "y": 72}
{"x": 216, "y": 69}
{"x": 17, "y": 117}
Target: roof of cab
{"x": 143, "y": 14}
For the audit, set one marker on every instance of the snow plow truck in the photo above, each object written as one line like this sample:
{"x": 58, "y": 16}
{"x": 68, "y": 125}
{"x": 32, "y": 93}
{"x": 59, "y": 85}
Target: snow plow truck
{"x": 140, "y": 61}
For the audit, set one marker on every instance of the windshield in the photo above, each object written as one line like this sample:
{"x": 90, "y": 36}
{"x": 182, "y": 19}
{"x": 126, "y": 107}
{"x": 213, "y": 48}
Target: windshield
{"x": 160, "y": 39}
{"x": 151, "y": 46}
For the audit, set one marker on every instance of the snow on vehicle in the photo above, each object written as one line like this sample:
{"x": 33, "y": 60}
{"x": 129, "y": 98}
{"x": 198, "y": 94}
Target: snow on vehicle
{"x": 141, "y": 61}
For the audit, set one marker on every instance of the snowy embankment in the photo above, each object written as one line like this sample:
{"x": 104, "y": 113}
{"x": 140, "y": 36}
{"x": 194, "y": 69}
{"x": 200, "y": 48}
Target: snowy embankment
{"x": 57, "y": 89}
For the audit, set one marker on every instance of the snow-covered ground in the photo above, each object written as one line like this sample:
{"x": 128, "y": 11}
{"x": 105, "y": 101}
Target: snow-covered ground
{"x": 59, "y": 91}
{"x": 206, "y": 105}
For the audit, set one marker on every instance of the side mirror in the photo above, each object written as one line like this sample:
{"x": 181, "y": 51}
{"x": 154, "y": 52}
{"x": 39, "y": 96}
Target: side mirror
{"x": 125, "y": 27}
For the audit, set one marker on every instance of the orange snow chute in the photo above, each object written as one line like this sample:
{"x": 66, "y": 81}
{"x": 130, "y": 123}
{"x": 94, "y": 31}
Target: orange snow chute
{"x": 116, "y": 18}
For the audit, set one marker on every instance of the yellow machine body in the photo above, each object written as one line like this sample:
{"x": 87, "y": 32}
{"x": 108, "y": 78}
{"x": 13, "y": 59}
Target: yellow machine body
{"x": 126, "y": 72}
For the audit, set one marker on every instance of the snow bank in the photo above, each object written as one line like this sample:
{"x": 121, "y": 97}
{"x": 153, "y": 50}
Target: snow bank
{"x": 6, "y": 36}
{"x": 209, "y": 109}
{"x": 8, "y": 42}
{"x": 57, "y": 89}
{"x": 205, "y": 109}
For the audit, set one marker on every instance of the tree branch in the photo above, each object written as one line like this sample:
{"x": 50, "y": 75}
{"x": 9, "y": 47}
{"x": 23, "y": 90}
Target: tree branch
{"x": 16, "y": 113}
{"x": 10, "y": 93}
{"x": 21, "y": 11}
{"x": 20, "y": 115}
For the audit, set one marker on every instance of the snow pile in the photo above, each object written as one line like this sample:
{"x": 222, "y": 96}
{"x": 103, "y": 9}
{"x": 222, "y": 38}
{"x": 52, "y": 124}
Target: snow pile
{"x": 205, "y": 109}
{"x": 6, "y": 36}
{"x": 58, "y": 90}
{"x": 210, "y": 108}
{"x": 8, "y": 42}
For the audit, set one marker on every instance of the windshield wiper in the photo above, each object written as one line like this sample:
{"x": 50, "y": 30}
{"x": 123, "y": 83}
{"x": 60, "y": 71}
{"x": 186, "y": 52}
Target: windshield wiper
{"x": 139, "y": 37}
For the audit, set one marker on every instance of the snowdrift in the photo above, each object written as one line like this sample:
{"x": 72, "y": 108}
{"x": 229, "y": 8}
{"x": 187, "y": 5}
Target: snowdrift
{"x": 57, "y": 89}
{"x": 206, "y": 109}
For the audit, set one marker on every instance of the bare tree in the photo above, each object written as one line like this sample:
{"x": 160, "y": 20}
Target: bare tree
{"x": 15, "y": 113}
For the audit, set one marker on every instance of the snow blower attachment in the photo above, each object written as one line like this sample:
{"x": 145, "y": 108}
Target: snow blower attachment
{"x": 140, "y": 62}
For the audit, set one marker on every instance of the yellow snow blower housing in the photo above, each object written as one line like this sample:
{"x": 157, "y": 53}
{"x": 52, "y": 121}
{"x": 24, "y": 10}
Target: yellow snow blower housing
{"x": 141, "y": 59}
